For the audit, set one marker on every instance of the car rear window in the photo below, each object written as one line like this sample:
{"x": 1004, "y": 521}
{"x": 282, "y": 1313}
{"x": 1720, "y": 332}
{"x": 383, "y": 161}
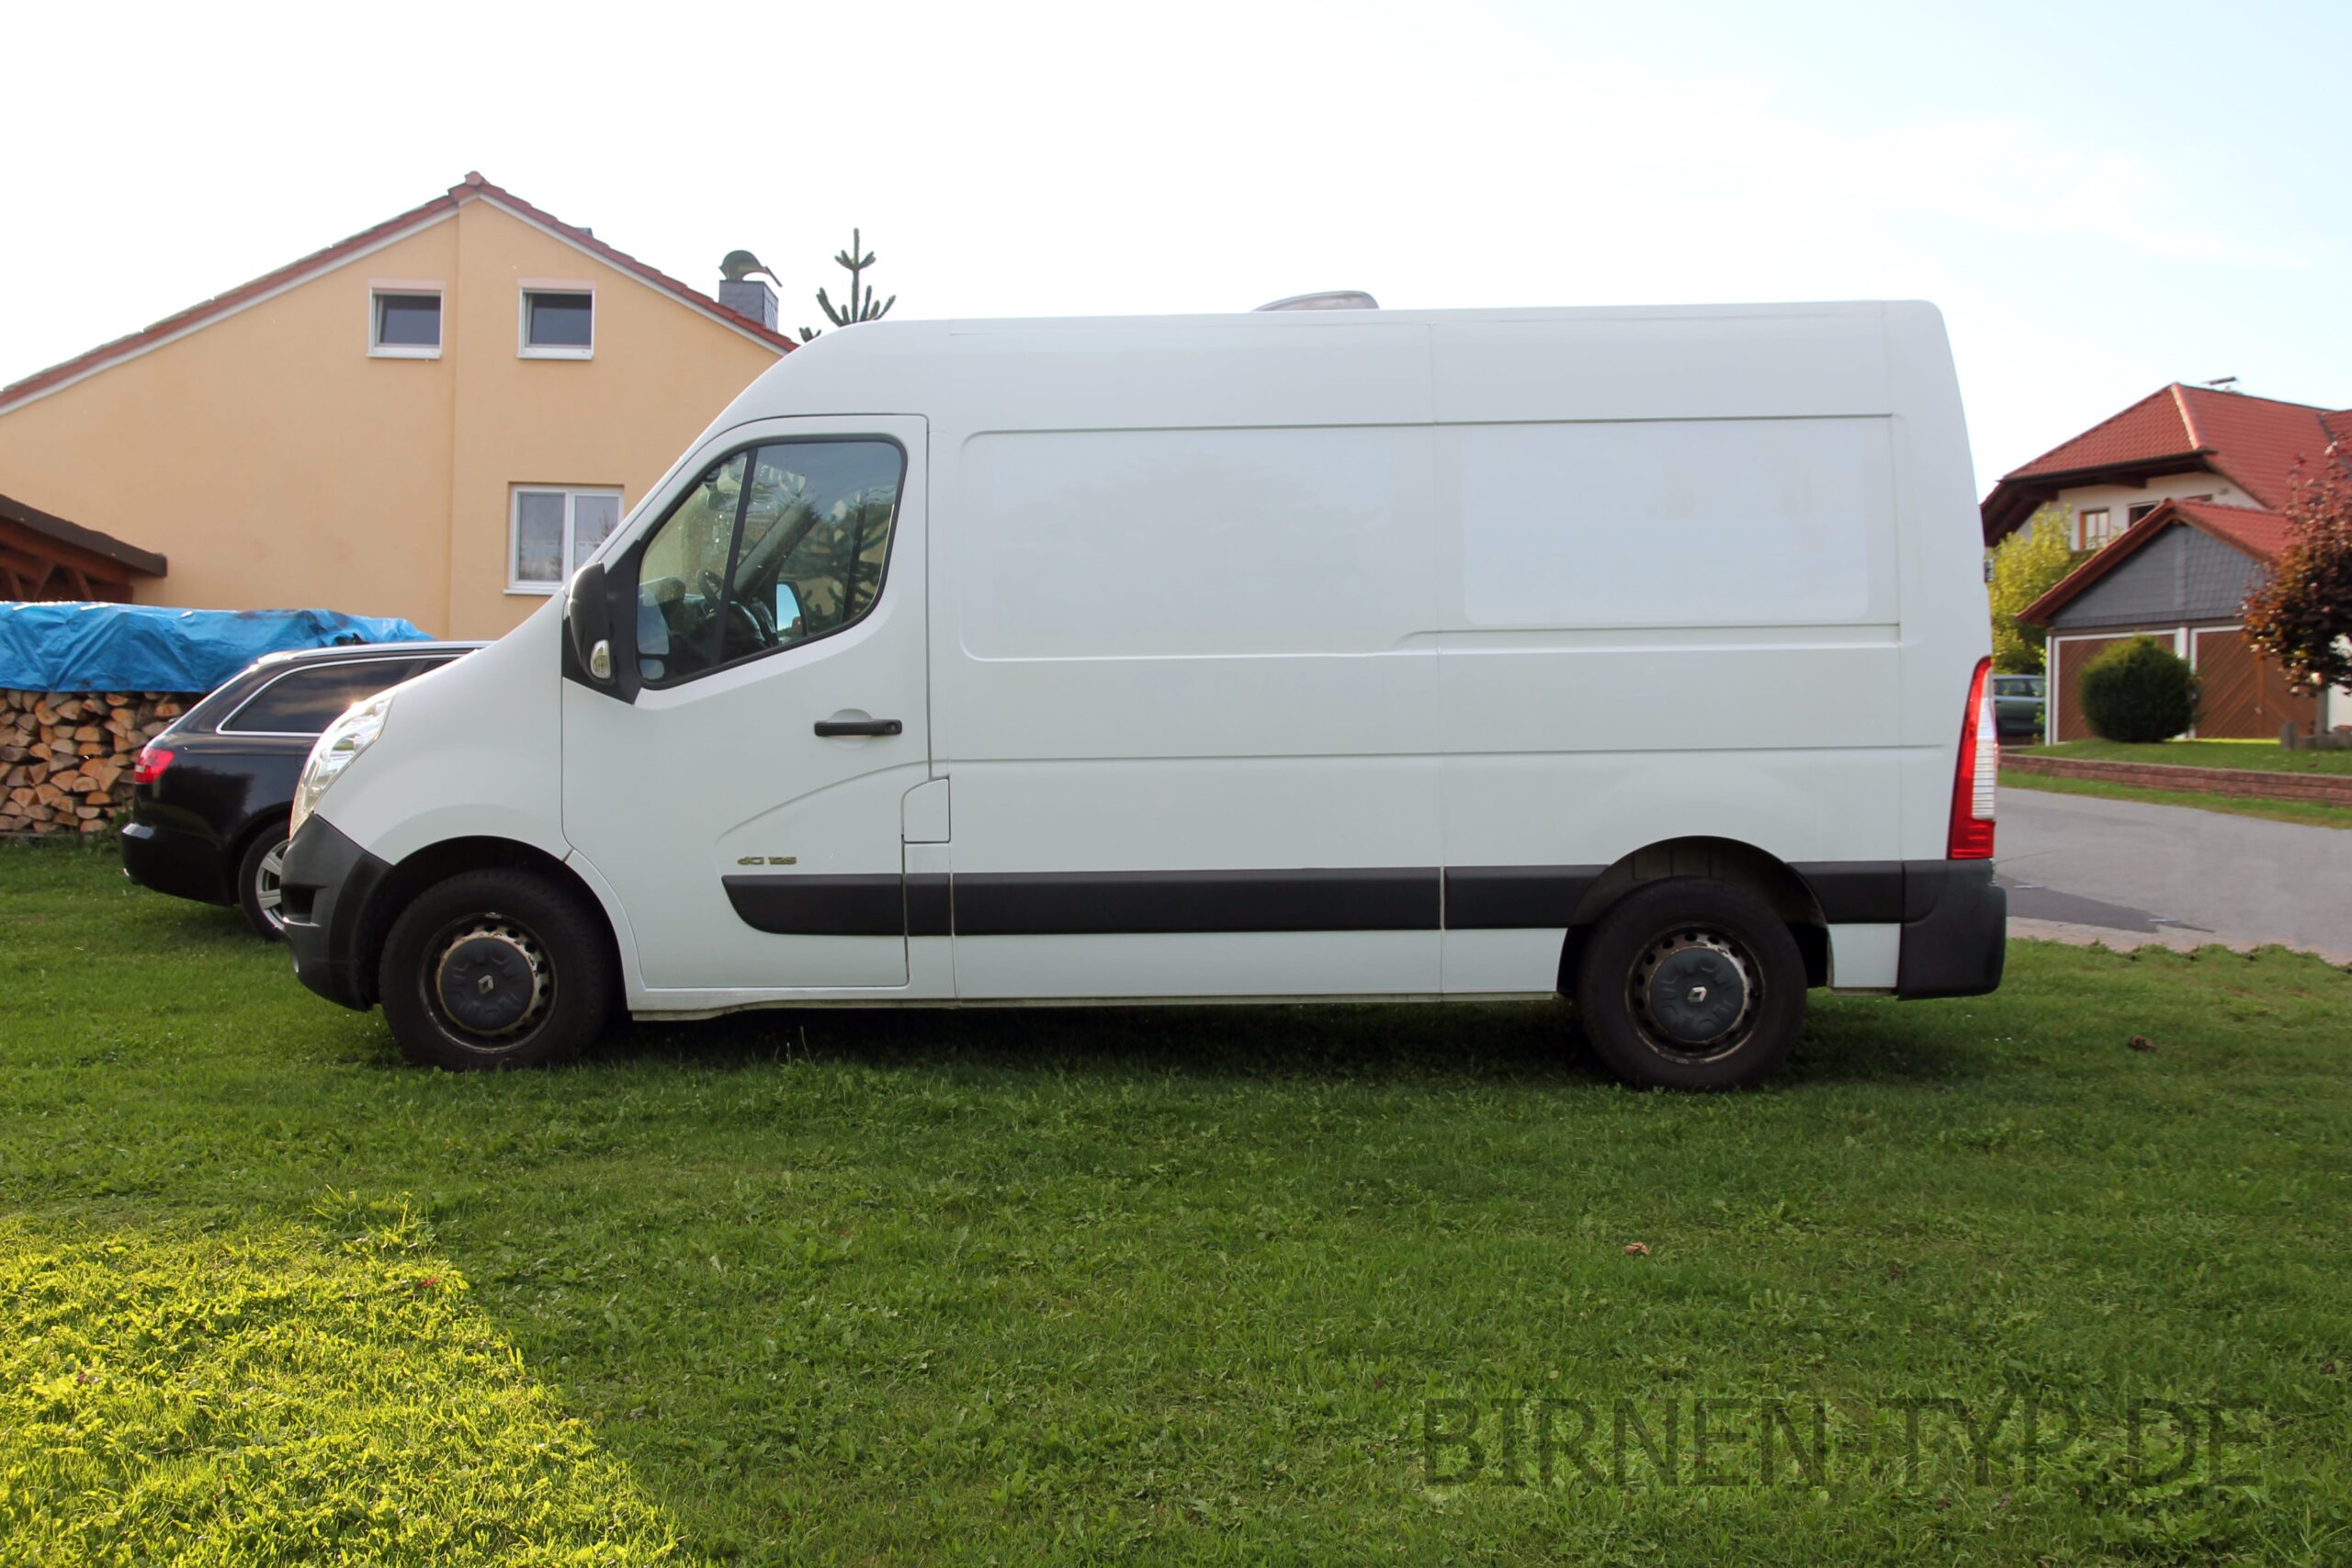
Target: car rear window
{"x": 304, "y": 702}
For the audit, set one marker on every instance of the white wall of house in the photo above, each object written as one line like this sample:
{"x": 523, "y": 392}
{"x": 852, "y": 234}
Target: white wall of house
{"x": 2119, "y": 499}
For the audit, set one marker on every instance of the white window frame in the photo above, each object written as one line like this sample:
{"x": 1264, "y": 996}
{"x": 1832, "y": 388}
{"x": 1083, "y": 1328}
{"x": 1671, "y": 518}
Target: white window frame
{"x": 571, "y": 494}
{"x": 379, "y": 286}
{"x": 524, "y": 348}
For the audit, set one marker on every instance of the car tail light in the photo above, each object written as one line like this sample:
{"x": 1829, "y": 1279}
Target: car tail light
{"x": 153, "y": 761}
{"x": 1975, "y": 773}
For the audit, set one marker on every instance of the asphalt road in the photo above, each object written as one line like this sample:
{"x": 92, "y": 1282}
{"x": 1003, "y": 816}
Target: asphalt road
{"x": 2172, "y": 872}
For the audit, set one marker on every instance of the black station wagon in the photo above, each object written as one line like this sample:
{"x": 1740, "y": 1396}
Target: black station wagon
{"x": 209, "y": 795}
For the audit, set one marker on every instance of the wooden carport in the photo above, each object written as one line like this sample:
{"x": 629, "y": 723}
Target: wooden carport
{"x": 43, "y": 557}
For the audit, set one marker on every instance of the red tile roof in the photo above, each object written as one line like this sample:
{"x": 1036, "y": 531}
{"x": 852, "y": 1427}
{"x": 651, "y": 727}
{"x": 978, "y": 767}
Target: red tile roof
{"x": 2254, "y": 442}
{"x": 472, "y": 187}
{"x": 2259, "y": 533}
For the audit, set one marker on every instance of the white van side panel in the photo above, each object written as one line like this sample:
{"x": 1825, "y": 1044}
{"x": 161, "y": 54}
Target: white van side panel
{"x": 1664, "y": 629}
{"x": 1484, "y": 591}
{"x": 1188, "y": 651}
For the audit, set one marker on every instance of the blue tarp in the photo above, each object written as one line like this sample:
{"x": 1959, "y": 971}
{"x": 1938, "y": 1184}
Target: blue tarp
{"x": 152, "y": 647}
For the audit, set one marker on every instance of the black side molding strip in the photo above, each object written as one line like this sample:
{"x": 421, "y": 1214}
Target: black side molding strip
{"x": 863, "y": 905}
{"x": 1062, "y": 903}
{"x": 1856, "y": 892}
{"x": 930, "y": 909}
{"x": 1074, "y": 903}
{"x": 1952, "y": 904}
{"x": 1515, "y": 897}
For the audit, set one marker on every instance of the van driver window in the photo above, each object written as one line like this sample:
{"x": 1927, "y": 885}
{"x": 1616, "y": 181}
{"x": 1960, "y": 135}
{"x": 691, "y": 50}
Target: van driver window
{"x": 771, "y": 549}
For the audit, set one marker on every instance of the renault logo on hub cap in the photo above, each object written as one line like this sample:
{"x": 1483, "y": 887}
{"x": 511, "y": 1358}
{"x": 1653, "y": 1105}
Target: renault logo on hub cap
{"x": 491, "y": 980}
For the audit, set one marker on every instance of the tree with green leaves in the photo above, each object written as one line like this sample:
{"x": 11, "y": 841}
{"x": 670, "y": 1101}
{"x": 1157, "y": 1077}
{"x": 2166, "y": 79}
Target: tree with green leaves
{"x": 860, "y": 307}
{"x": 2026, "y": 565}
{"x": 2301, "y": 617}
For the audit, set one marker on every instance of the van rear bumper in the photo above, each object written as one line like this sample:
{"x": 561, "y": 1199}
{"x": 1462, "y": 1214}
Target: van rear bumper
{"x": 328, "y": 882}
{"x": 1955, "y": 929}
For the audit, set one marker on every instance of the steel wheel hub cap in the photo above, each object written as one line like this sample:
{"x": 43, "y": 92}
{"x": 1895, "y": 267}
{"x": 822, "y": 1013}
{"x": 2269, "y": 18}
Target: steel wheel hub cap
{"x": 1693, "y": 990}
{"x": 491, "y": 979}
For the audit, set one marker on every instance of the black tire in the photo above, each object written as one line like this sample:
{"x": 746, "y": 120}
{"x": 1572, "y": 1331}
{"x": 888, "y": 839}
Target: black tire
{"x": 1689, "y": 983}
{"x": 497, "y": 968}
{"x": 258, "y": 870}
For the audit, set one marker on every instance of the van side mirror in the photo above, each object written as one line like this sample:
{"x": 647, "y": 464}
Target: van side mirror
{"x": 588, "y": 621}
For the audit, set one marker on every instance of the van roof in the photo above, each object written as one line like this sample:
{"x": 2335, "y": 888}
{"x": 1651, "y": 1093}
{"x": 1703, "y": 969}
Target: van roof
{"x": 1316, "y": 367}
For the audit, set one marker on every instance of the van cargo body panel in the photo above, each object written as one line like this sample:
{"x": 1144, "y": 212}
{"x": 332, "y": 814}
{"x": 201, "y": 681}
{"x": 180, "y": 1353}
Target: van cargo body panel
{"x": 1317, "y": 654}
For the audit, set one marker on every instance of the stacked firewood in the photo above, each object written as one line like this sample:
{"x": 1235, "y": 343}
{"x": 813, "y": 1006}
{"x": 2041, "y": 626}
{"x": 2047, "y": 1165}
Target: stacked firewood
{"x": 66, "y": 757}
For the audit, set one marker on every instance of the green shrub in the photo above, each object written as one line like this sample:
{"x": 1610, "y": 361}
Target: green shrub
{"x": 2139, "y": 691}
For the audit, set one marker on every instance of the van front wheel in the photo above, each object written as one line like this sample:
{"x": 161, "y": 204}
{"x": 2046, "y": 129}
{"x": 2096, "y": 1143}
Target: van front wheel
{"x": 495, "y": 969}
{"x": 1689, "y": 983}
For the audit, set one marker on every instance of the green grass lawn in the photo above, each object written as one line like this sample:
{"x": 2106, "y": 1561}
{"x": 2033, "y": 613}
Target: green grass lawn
{"x": 1180, "y": 1285}
{"x": 2264, "y": 756}
{"x": 2310, "y": 813}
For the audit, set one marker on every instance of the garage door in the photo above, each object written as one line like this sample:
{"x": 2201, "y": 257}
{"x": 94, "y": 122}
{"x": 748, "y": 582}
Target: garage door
{"x": 2067, "y": 661}
{"x": 2246, "y": 698}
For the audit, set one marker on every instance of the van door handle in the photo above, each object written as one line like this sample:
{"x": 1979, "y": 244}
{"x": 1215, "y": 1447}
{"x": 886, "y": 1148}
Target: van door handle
{"x": 860, "y": 726}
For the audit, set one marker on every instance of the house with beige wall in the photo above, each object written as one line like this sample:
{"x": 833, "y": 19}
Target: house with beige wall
{"x": 434, "y": 418}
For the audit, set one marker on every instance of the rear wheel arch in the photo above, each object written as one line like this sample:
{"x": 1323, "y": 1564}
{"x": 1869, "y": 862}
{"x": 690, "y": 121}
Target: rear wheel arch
{"x": 453, "y": 857}
{"x": 1727, "y": 861}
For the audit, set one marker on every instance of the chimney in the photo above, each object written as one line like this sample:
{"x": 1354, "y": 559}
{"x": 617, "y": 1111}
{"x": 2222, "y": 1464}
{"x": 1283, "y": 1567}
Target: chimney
{"x": 748, "y": 296}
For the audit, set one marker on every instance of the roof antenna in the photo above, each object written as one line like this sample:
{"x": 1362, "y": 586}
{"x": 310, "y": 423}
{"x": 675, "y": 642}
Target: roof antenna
{"x": 1330, "y": 300}
{"x": 2222, "y": 383}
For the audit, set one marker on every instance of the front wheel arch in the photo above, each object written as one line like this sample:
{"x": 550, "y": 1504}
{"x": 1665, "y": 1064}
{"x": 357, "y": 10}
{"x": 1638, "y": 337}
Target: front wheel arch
{"x": 496, "y": 967}
{"x": 454, "y": 857}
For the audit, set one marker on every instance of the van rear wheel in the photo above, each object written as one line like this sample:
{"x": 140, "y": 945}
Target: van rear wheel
{"x": 1690, "y": 983}
{"x": 496, "y": 968}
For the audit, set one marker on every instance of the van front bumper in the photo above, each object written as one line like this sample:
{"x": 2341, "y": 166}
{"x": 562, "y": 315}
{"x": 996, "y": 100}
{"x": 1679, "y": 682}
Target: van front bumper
{"x": 328, "y": 883}
{"x": 1955, "y": 929}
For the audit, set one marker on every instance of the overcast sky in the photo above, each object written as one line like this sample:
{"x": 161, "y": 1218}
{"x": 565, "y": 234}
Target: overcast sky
{"x": 2102, "y": 198}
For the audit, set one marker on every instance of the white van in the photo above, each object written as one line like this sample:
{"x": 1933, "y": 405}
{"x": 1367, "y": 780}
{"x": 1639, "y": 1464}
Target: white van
{"x": 1633, "y": 654}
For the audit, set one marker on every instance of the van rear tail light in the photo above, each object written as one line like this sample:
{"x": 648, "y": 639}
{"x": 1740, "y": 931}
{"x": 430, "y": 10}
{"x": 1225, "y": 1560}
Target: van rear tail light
{"x": 153, "y": 761}
{"x": 1975, "y": 773}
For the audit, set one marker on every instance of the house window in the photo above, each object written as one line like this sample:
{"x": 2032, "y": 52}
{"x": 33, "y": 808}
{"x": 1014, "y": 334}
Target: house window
{"x": 559, "y": 323}
{"x": 2098, "y": 526}
{"x": 2140, "y": 509}
{"x": 404, "y": 324}
{"x": 550, "y": 530}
